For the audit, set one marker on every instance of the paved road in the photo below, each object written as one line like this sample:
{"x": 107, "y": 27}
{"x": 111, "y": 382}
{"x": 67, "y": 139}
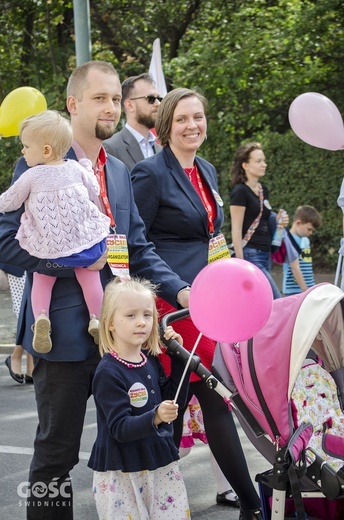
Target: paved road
{"x": 18, "y": 421}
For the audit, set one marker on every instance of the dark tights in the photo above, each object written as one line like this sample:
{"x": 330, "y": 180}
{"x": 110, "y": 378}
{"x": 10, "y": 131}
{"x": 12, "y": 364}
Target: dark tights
{"x": 223, "y": 441}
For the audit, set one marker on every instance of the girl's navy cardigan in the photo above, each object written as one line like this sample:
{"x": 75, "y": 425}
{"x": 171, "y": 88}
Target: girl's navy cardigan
{"x": 126, "y": 399}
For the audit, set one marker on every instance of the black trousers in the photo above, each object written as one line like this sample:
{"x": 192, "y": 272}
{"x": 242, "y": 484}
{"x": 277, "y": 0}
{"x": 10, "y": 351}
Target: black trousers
{"x": 62, "y": 390}
{"x": 223, "y": 441}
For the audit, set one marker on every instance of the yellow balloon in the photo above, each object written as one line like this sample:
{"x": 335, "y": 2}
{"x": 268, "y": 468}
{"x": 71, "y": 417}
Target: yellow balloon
{"x": 17, "y": 105}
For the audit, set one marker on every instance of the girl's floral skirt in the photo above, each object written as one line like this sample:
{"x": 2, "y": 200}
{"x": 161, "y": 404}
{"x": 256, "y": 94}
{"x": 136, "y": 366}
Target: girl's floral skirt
{"x": 141, "y": 495}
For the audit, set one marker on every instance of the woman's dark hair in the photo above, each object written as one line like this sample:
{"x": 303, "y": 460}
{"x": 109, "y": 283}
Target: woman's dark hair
{"x": 242, "y": 155}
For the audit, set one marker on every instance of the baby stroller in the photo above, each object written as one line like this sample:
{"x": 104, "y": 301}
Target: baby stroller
{"x": 286, "y": 386}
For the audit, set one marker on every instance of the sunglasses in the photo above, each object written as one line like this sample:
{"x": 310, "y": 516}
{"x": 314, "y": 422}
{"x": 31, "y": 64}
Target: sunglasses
{"x": 151, "y": 99}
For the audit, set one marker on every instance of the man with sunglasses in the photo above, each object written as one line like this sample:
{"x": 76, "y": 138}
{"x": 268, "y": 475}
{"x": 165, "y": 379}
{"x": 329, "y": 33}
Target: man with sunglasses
{"x": 136, "y": 141}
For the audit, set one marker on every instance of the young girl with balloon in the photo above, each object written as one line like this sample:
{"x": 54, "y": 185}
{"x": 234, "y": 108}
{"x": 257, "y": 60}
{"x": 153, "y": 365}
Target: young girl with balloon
{"x": 136, "y": 473}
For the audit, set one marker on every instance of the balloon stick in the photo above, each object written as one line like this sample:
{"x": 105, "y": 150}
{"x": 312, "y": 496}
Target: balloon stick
{"x": 187, "y": 365}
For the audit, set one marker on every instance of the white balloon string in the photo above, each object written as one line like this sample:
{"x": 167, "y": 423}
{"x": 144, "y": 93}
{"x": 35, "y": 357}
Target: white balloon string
{"x": 187, "y": 366}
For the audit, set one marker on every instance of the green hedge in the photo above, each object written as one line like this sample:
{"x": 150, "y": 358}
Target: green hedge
{"x": 10, "y": 149}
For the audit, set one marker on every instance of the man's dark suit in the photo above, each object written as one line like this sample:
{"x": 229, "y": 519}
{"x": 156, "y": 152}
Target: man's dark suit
{"x": 125, "y": 147}
{"x": 63, "y": 377}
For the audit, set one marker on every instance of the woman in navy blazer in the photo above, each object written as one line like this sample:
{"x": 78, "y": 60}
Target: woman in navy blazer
{"x": 176, "y": 193}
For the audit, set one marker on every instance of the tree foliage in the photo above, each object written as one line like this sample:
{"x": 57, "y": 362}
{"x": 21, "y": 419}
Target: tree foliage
{"x": 250, "y": 58}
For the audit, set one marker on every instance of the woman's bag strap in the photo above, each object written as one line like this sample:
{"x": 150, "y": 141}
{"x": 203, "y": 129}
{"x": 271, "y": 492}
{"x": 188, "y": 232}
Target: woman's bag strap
{"x": 256, "y": 221}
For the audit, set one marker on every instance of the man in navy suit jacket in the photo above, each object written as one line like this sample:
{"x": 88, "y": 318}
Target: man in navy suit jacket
{"x": 63, "y": 377}
{"x": 136, "y": 141}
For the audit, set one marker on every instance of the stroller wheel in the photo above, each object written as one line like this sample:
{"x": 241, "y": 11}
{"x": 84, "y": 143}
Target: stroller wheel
{"x": 252, "y": 514}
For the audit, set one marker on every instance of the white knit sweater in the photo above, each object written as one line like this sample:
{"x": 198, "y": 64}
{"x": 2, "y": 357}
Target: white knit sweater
{"x": 60, "y": 217}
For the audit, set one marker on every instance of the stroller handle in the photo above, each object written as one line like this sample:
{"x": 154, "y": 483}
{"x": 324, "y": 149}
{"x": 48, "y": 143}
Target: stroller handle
{"x": 171, "y": 344}
{"x": 172, "y": 317}
{"x": 210, "y": 379}
{"x": 176, "y": 349}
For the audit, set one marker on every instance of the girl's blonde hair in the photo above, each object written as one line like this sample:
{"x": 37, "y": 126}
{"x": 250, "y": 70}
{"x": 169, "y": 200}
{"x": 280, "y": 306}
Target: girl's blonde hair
{"x": 49, "y": 127}
{"x": 112, "y": 301}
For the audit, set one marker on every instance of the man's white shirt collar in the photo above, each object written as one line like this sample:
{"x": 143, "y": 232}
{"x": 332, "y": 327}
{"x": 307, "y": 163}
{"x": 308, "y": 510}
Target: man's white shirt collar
{"x": 146, "y": 144}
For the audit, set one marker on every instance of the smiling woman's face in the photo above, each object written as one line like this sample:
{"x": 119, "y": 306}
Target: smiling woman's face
{"x": 189, "y": 125}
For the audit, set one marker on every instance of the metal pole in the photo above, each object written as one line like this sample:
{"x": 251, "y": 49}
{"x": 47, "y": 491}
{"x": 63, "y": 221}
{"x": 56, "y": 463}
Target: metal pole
{"x": 82, "y": 27}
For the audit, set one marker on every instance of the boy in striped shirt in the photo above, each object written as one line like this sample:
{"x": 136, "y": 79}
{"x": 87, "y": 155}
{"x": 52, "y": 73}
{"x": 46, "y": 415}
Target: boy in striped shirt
{"x": 298, "y": 268}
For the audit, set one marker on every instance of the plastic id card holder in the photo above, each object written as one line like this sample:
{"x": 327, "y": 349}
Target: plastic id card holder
{"x": 218, "y": 248}
{"x": 118, "y": 255}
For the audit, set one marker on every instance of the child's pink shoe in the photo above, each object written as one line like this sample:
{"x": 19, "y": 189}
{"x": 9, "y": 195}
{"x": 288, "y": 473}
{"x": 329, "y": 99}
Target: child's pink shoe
{"x": 41, "y": 342}
{"x": 93, "y": 329}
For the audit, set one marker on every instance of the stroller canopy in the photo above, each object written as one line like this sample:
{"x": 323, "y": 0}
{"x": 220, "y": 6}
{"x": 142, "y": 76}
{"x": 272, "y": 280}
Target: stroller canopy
{"x": 268, "y": 367}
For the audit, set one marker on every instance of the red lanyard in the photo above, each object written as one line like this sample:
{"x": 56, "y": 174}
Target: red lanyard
{"x": 206, "y": 202}
{"x": 103, "y": 192}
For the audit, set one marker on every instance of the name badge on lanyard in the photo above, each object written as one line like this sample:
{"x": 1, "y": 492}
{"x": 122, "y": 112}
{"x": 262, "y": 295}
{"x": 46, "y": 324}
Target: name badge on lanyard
{"x": 117, "y": 246}
{"x": 218, "y": 248}
{"x": 118, "y": 255}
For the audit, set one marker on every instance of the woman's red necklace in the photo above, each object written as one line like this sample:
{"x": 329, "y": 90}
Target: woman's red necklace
{"x": 190, "y": 172}
{"x": 126, "y": 363}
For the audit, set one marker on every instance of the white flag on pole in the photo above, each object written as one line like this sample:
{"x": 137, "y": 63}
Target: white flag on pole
{"x": 155, "y": 69}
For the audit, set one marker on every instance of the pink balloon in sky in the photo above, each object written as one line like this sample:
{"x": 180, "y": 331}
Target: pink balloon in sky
{"x": 317, "y": 121}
